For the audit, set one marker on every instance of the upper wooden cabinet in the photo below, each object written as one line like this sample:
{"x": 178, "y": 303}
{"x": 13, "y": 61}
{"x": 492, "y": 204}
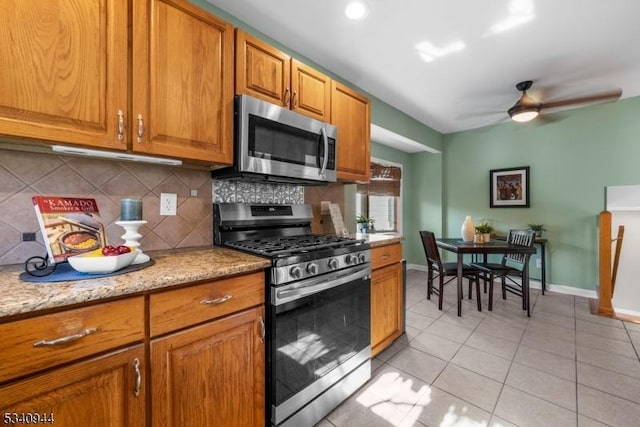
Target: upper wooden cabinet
{"x": 351, "y": 112}
{"x": 66, "y": 76}
{"x": 63, "y": 73}
{"x": 182, "y": 82}
{"x": 265, "y": 72}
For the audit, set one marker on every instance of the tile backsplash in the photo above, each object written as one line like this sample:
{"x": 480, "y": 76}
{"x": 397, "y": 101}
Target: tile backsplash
{"x": 25, "y": 174}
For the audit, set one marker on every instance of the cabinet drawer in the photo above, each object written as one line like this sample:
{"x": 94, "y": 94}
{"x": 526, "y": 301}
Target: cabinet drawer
{"x": 385, "y": 255}
{"x": 45, "y": 341}
{"x": 183, "y": 307}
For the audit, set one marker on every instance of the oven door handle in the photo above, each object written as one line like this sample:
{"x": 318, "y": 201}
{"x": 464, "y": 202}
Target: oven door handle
{"x": 316, "y": 285}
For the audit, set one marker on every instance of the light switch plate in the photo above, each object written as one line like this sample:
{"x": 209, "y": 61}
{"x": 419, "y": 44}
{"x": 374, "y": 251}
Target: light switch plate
{"x": 168, "y": 204}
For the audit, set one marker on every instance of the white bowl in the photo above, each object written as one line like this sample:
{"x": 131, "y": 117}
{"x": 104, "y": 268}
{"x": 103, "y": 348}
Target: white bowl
{"x": 87, "y": 263}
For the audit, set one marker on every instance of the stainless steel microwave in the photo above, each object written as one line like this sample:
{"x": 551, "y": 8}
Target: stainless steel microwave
{"x": 272, "y": 143}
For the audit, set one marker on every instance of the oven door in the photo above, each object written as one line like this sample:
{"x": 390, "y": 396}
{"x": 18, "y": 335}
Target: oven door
{"x": 319, "y": 332}
{"x": 271, "y": 140}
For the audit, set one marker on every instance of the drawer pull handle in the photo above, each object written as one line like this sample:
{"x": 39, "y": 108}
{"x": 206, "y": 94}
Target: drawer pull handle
{"x": 215, "y": 301}
{"x": 138, "y": 374}
{"x": 385, "y": 256}
{"x": 262, "y": 329}
{"x": 65, "y": 340}
{"x": 140, "y": 127}
{"x": 287, "y": 97}
{"x": 120, "y": 125}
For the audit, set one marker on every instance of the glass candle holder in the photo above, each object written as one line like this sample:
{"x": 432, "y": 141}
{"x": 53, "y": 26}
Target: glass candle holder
{"x": 131, "y": 209}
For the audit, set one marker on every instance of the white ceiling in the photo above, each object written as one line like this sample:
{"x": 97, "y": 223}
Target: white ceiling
{"x": 567, "y": 47}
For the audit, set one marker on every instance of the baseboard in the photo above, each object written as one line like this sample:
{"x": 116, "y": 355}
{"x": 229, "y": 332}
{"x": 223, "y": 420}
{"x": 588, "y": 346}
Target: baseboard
{"x": 562, "y": 289}
{"x": 536, "y": 284}
{"x": 418, "y": 267}
{"x": 630, "y": 313}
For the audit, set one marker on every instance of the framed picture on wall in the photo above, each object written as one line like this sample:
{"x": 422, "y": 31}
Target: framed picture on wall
{"x": 509, "y": 187}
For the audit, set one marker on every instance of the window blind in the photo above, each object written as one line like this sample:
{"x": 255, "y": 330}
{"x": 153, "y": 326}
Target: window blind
{"x": 384, "y": 181}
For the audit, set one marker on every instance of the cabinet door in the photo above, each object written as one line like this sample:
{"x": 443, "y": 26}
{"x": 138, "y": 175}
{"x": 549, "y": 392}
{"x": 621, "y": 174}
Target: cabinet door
{"x": 311, "y": 91}
{"x": 386, "y": 306}
{"x": 350, "y": 111}
{"x": 210, "y": 375}
{"x": 63, "y": 72}
{"x": 182, "y": 82}
{"x": 262, "y": 71}
{"x": 106, "y": 391}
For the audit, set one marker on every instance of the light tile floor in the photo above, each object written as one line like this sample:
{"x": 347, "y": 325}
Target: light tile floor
{"x": 561, "y": 367}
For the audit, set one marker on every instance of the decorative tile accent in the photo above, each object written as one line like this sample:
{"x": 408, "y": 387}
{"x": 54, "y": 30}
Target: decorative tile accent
{"x": 23, "y": 175}
{"x": 232, "y": 191}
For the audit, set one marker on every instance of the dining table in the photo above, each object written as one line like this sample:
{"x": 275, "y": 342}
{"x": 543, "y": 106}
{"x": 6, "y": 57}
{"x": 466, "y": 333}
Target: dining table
{"x": 462, "y": 248}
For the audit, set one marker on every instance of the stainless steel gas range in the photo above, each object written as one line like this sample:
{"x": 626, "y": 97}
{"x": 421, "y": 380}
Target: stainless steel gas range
{"x": 318, "y": 308}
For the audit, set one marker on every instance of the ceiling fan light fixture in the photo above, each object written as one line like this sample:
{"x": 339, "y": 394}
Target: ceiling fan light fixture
{"x": 356, "y": 10}
{"x": 522, "y": 113}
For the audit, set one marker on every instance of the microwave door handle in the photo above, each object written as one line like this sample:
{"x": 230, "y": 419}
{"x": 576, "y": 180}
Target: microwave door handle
{"x": 325, "y": 160}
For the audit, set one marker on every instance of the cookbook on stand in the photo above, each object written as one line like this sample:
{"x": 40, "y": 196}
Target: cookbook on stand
{"x": 69, "y": 225}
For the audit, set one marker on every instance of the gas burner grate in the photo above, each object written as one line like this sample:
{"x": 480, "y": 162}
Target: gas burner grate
{"x": 290, "y": 245}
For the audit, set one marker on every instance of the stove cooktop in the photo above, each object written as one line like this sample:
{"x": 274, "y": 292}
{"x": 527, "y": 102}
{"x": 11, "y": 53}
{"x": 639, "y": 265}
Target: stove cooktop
{"x": 281, "y": 246}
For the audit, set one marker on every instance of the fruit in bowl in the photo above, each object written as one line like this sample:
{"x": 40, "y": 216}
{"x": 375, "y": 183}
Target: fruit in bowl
{"x": 103, "y": 260}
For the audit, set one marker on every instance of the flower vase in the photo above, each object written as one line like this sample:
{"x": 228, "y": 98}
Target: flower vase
{"x": 468, "y": 229}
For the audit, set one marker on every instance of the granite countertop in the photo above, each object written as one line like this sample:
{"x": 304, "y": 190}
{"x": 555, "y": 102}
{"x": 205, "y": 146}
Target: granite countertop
{"x": 380, "y": 239}
{"x": 171, "y": 268}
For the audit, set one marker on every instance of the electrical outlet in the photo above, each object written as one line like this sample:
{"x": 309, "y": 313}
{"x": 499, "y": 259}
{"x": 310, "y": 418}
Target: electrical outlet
{"x": 538, "y": 263}
{"x": 28, "y": 237}
{"x": 168, "y": 203}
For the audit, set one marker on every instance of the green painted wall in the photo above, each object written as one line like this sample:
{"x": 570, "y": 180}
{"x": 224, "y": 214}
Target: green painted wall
{"x": 572, "y": 160}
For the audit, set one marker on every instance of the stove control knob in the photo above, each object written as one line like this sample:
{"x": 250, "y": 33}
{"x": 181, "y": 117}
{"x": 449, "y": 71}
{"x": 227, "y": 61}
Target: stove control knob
{"x": 361, "y": 258}
{"x": 350, "y": 259}
{"x": 295, "y": 272}
{"x": 332, "y": 263}
{"x": 312, "y": 268}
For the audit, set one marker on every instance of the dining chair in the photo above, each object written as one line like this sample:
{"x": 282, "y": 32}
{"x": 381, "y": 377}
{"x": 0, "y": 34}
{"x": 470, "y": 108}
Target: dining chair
{"x": 511, "y": 270}
{"x": 436, "y": 269}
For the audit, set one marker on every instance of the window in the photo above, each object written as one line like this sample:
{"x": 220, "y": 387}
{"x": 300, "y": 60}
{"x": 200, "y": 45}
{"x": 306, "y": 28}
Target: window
{"x": 381, "y": 198}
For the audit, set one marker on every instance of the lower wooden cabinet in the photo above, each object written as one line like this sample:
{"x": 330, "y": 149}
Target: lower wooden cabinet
{"x": 211, "y": 374}
{"x": 386, "y": 297}
{"x": 87, "y": 366}
{"x": 105, "y": 391}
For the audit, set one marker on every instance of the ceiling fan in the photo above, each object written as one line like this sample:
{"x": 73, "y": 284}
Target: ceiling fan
{"x": 527, "y": 108}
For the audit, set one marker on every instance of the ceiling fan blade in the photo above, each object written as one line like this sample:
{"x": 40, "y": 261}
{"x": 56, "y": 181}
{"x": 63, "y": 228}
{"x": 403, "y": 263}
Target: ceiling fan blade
{"x": 598, "y": 97}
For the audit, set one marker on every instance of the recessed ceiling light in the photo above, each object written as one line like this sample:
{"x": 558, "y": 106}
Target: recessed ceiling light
{"x": 356, "y": 10}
